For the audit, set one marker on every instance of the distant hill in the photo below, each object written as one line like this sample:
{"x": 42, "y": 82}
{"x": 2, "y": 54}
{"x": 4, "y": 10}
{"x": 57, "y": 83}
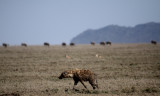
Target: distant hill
{"x": 141, "y": 33}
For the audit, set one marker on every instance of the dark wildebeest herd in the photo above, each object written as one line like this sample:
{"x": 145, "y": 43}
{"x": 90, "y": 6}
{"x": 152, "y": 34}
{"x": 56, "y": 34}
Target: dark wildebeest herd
{"x": 24, "y": 44}
{"x": 46, "y": 44}
{"x": 5, "y": 45}
{"x": 105, "y": 43}
{"x": 93, "y": 43}
{"x": 72, "y": 44}
{"x": 153, "y": 42}
{"x": 64, "y": 44}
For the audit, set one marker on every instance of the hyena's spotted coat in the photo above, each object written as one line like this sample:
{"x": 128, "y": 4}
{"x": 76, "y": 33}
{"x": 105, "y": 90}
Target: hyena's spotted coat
{"x": 80, "y": 75}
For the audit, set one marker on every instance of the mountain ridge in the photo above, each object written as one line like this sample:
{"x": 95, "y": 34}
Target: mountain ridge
{"x": 141, "y": 33}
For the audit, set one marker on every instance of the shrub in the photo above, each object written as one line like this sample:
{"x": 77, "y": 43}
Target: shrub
{"x": 150, "y": 90}
{"x": 129, "y": 90}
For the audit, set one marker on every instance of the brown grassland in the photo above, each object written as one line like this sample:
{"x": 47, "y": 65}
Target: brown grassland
{"x": 122, "y": 69}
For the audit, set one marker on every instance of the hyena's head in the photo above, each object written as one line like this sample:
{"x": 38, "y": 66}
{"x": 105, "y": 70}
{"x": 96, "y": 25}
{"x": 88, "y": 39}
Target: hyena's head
{"x": 66, "y": 74}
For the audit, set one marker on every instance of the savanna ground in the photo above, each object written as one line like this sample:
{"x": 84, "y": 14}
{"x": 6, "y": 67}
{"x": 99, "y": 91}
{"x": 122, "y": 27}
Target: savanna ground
{"x": 122, "y": 69}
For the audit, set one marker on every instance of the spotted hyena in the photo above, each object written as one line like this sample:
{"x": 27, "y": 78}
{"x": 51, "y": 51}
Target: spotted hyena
{"x": 80, "y": 75}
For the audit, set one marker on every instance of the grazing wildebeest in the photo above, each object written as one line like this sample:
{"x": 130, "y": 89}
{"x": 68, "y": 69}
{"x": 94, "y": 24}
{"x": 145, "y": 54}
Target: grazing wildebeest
{"x": 80, "y": 75}
{"x": 153, "y": 42}
{"x": 46, "y": 44}
{"x": 64, "y": 44}
{"x": 93, "y": 43}
{"x": 108, "y": 43}
{"x": 24, "y": 44}
{"x": 72, "y": 44}
{"x": 102, "y": 43}
{"x": 5, "y": 45}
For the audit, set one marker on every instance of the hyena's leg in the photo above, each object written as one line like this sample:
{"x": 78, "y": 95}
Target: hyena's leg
{"x": 79, "y": 79}
{"x": 83, "y": 84}
{"x": 93, "y": 84}
{"x": 75, "y": 83}
{"x": 96, "y": 82}
{"x": 97, "y": 86}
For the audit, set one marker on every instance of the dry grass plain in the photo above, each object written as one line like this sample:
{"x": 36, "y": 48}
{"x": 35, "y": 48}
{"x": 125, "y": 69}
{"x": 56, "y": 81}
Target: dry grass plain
{"x": 122, "y": 69}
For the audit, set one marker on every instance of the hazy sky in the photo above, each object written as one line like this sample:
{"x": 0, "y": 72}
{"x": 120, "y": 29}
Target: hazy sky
{"x": 57, "y": 21}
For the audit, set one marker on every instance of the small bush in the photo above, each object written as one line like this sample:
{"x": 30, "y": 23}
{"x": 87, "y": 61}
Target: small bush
{"x": 51, "y": 91}
{"x": 54, "y": 90}
{"x": 129, "y": 90}
{"x": 150, "y": 90}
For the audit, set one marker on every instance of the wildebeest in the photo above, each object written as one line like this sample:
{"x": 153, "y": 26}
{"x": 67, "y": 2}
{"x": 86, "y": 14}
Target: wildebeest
{"x": 102, "y": 43}
{"x": 5, "y": 45}
{"x": 46, "y": 44}
{"x": 153, "y": 42}
{"x": 93, "y": 43}
{"x": 72, "y": 44}
{"x": 108, "y": 43}
{"x": 24, "y": 44}
{"x": 64, "y": 44}
{"x": 80, "y": 75}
